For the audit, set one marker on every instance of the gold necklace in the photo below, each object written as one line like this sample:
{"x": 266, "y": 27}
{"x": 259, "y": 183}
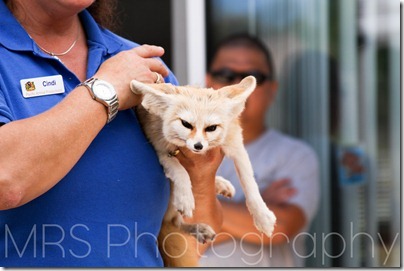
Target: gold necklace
{"x": 58, "y": 54}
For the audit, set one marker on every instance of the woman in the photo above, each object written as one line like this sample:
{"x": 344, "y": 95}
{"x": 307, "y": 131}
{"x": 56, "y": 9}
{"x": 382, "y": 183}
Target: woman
{"x": 79, "y": 183}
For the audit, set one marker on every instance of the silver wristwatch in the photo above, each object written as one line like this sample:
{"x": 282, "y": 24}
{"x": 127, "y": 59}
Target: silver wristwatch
{"x": 104, "y": 93}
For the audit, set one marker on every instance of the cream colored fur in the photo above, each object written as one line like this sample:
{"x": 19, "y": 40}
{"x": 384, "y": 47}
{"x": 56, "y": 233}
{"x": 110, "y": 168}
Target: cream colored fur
{"x": 198, "y": 118}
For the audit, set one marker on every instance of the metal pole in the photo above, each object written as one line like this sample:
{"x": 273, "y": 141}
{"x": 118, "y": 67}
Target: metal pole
{"x": 189, "y": 43}
{"x": 368, "y": 126}
{"x": 349, "y": 133}
{"x": 394, "y": 67}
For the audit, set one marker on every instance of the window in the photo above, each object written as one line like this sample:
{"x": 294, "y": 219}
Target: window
{"x": 337, "y": 64}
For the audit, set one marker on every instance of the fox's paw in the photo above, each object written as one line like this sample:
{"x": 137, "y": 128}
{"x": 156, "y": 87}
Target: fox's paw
{"x": 183, "y": 201}
{"x": 134, "y": 87}
{"x": 265, "y": 222}
{"x": 224, "y": 187}
{"x": 202, "y": 232}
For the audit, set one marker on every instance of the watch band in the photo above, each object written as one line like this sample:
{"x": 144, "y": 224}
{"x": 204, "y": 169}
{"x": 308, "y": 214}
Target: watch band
{"x": 112, "y": 105}
{"x": 112, "y": 109}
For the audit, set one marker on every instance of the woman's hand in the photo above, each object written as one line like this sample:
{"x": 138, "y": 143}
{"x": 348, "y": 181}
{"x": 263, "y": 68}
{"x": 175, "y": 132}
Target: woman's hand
{"x": 140, "y": 63}
{"x": 202, "y": 171}
{"x": 201, "y": 167}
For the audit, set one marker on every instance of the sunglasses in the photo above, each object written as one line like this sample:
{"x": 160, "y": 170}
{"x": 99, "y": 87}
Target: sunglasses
{"x": 227, "y": 76}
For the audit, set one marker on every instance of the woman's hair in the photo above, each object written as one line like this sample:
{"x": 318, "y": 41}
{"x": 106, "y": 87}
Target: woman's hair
{"x": 103, "y": 11}
{"x": 245, "y": 40}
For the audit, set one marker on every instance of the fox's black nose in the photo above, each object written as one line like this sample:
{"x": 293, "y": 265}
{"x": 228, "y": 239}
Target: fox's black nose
{"x": 198, "y": 146}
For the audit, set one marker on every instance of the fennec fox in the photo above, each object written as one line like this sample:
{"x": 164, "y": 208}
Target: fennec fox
{"x": 198, "y": 118}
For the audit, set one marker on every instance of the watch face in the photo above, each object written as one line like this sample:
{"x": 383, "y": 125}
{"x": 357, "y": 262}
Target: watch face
{"x": 103, "y": 90}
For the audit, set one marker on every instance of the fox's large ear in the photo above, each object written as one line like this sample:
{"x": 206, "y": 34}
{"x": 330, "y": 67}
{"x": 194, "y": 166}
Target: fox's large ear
{"x": 156, "y": 98}
{"x": 239, "y": 93}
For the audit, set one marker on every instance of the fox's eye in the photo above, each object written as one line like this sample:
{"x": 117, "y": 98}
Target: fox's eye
{"x": 186, "y": 124}
{"x": 211, "y": 128}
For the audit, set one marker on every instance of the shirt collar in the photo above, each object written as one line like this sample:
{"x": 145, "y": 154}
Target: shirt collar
{"x": 14, "y": 37}
{"x": 99, "y": 36}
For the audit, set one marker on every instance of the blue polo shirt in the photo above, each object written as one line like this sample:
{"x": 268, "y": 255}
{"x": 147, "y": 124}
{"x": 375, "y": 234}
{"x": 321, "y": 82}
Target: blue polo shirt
{"x": 108, "y": 210}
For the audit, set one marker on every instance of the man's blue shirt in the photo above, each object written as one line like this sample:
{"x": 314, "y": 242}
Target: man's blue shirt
{"x": 108, "y": 210}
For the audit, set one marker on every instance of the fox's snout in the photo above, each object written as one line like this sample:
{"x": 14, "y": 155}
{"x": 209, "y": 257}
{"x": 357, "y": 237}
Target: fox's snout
{"x": 197, "y": 146}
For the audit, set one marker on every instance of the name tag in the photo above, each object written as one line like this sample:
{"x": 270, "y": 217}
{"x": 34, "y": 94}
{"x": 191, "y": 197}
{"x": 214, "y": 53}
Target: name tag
{"x": 40, "y": 86}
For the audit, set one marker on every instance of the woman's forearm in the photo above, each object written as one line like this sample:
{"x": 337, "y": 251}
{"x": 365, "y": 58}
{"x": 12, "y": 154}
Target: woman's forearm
{"x": 208, "y": 210}
{"x": 202, "y": 170}
{"x": 37, "y": 152}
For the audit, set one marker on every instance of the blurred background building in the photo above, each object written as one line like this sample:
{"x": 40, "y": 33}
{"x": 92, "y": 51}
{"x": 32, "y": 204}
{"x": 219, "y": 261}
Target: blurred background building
{"x": 338, "y": 65}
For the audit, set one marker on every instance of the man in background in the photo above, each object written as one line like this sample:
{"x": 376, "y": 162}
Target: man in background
{"x": 285, "y": 168}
